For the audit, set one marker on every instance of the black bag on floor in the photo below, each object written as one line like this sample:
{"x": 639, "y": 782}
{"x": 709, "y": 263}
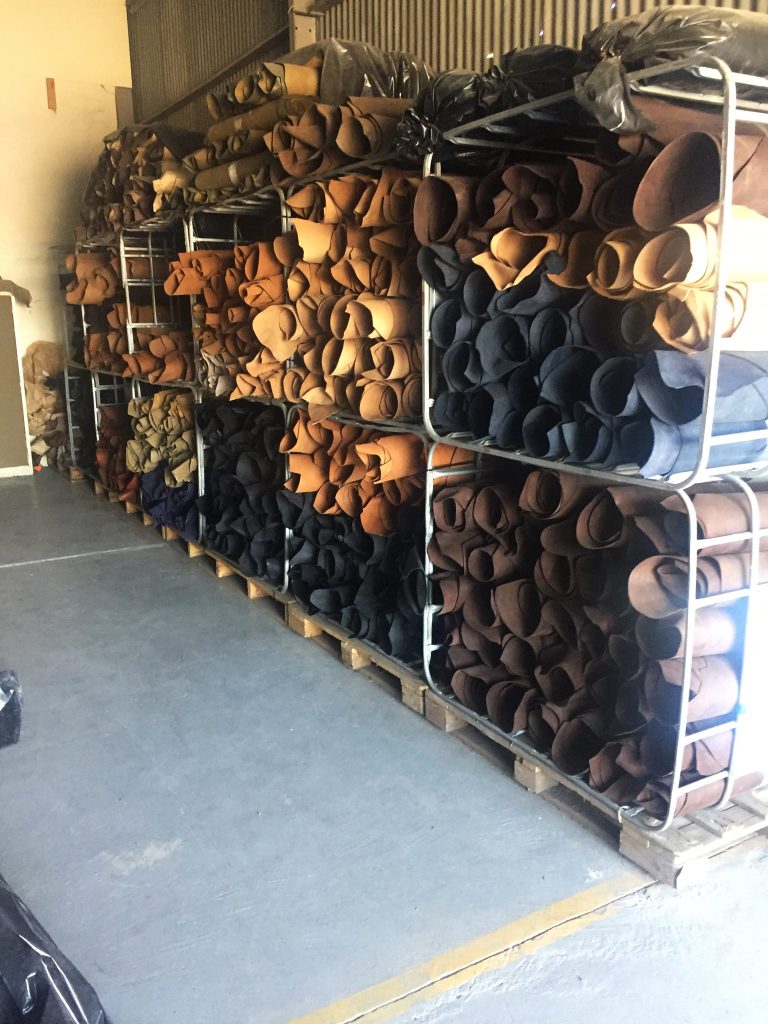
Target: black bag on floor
{"x": 10, "y": 713}
{"x": 38, "y": 985}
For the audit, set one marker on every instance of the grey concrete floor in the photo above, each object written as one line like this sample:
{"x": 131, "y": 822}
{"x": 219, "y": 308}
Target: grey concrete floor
{"x": 218, "y": 822}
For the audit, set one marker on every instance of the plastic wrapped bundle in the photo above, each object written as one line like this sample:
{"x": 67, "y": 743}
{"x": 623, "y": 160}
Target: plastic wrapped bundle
{"x": 740, "y": 38}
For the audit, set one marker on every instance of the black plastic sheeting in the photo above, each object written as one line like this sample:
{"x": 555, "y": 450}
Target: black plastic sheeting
{"x": 357, "y": 69}
{"x": 38, "y": 985}
{"x": 597, "y": 73}
{"x": 454, "y": 98}
{"x": 10, "y": 714}
{"x": 740, "y": 38}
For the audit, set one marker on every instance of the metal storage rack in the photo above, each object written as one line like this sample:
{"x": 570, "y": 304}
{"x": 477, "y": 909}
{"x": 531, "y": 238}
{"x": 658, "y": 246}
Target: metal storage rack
{"x": 223, "y": 224}
{"x": 491, "y": 132}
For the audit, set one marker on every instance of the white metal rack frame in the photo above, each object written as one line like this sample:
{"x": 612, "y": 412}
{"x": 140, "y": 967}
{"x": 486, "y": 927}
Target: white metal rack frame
{"x": 748, "y": 673}
{"x": 490, "y": 132}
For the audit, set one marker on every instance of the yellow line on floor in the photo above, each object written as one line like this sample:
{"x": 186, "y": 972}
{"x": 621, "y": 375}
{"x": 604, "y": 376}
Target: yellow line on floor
{"x": 388, "y": 999}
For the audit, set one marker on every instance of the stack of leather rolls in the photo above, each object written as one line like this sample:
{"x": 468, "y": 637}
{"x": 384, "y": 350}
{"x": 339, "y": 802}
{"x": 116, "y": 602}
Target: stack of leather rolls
{"x": 163, "y": 355}
{"x": 243, "y": 475}
{"x": 106, "y": 341}
{"x": 162, "y": 452}
{"x": 658, "y": 590}
{"x": 96, "y": 277}
{"x": 113, "y": 436}
{"x": 561, "y": 619}
{"x": 575, "y": 299}
{"x": 352, "y": 319}
{"x": 355, "y": 471}
{"x": 234, "y": 157}
{"x": 354, "y": 503}
{"x": 42, "y": 365}
{"x": 326, "y": 137}
{"x": 233, "y": 287}
{"x": 269, "y": 81}
{"x": 138, "y": 174}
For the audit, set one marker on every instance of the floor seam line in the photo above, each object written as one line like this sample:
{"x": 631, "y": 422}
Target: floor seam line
{"x": 80, "y": 554}
{"x": 533, "y": 937}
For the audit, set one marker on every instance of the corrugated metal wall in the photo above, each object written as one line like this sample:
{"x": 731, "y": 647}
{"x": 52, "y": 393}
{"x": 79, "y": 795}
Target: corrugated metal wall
{"x": 181, "y": 49}
{"x": 462, "y": 33}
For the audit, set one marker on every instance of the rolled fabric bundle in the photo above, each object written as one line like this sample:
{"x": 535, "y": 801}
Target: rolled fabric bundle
{"x": 658, "y": 586}
{"x": 717, "y": 630}
{"x": 97, "y": 278}
{"x": 606, "y": 521}
{"x": 200, "y": 160}
{"x": 617, "y": 326}
{"x": 274, "y": 79}
{"x": 443, "y": 207}
{"x": 717, "y": 513}
{"x": 170, "y": 181}
{"x": 392, "y": 200}
{"x": 580, "y": 256}
{"x": 514, "y": 255}
{"x": 370, "y": 130}
{"x": 237, "y": 173}
{"x": 713, "y": 689}
{"x": 694, "y": 157}
{"x": 613, "y": 275}
{"x": 531, "y": 197}
{"x": 672, "y": 384}
{"x": 604, "y": 194}
{"x": 306, "y": 145}
{"x": 566, "y": 374}
{"x": 550, "y": 496}
{"x": 684, "y": 318}
{"x": 685, "y": 254}
{"x": 261, "y": 118}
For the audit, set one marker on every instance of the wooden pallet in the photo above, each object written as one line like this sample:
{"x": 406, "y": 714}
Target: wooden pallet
{"x": 72, "y": 473}
{"x": 359, "y": 656}
{"x": 679, "y": 856}
{"x": 104, "y": 492}
{"x": 683, "y": 854}
{"x": 255, "y": 588}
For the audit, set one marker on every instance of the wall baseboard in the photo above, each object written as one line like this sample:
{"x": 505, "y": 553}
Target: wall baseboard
{"x": 15, "y": 471}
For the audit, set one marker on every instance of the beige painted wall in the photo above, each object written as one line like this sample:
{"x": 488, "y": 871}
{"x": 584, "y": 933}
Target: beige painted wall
{"x": 47, "y": 155}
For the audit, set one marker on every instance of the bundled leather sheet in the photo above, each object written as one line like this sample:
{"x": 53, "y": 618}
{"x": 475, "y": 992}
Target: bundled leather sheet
{"x": 563, "y": 617}
{"x": 114, "y": 433}
{"x": 566, "y": 330}
{"x": 138, "y": 174}
{"x": 244, "y": 474}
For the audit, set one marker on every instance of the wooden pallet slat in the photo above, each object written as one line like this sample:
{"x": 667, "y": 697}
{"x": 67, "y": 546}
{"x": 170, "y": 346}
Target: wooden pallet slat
{"x": 359, "y": 656}
{"x": 679, "y": 856}
{"x": 74, "y": 474}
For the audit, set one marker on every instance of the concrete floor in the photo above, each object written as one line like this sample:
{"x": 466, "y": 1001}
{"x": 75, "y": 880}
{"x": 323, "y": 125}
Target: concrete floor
{"x": 218, "y": 822}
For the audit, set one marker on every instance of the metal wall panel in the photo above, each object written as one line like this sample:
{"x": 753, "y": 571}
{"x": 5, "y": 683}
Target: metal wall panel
{"x": 182, "y": 48}
{"x": 472, "y": 33}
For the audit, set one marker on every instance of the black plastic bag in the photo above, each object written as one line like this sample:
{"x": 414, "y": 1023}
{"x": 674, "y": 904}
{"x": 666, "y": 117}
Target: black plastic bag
{"x": 740, "y": 38}
{"x": 38, "y": 985}
{"x": 452, "y": 98}
{"x": 357, "y": 69}
{"x": 10, "y": 713}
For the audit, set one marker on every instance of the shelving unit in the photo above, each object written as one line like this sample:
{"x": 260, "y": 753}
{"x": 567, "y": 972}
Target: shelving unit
{"x": 494, "y": 132}
{"x": 242, "y": 219}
